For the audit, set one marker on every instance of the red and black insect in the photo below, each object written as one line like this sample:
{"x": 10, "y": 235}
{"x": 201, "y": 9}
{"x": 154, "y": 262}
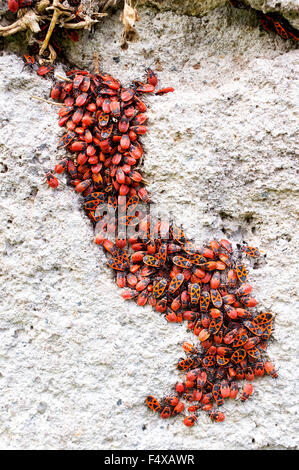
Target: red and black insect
{"x": 238, "y": 356}
{"x": 217, "y": 396}
{"x": 195, "y": 293}
{"x": 241, "y": 272}
{"x": 263, "y": 318}
{"x": 190, "y": 420}
{"x": 163, "y": 91}
{"x": 215, "y": 324}
{"x": 13, "y": 5}
{"x": 159, "y": 288}
{"x": 44, "y": 70}
{"x": 216, "y": 298}
{"x": 185, "y": 364}
{"x": 175, "y": 283}
{"x": 30, "y": 60}
{"x": 52, "y": 180}
{"x": 270, "y": 369}
{"x": 251, "y": 251}
{"x": 152, "y": 77}
{"x": 246, "y": 392}
{"x": 116, "y": 264}
{"x": 153, "y": 403}
{"x": 217, "y": 416}
{"x": 253, "y": 327}
{"x": 204, "y": 301}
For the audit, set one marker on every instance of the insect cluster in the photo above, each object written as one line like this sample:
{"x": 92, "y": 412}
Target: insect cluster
{"x": 216, "y": 302}
{"x": 155, "y": 263}
{"x": 103, "y": 124}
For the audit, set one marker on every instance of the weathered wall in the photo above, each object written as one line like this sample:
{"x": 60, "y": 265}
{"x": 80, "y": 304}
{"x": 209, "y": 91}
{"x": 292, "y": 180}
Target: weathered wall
{"x": 288, "y": 8}
{"x": 77, "y": 361}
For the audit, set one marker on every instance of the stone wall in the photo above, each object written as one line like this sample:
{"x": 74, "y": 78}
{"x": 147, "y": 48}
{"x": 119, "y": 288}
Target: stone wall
{"x": 77, "y": 360}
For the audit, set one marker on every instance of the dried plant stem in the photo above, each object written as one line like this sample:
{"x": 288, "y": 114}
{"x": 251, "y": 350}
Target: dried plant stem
{"x": 46, "y": 101}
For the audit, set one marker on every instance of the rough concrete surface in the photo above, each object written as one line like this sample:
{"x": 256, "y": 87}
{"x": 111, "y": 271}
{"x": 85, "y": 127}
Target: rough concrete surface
{"x": 76, "y": 360}
{"x": 288, "y": 8}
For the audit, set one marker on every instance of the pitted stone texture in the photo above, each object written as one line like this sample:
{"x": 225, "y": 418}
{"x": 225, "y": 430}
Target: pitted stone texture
{"x": 185, "y": 7}
{"x": 287, "y": 8}
{"x": 77, "y": 360}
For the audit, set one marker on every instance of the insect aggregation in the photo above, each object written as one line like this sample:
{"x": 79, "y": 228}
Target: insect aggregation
{"x": 153, "y": 260}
